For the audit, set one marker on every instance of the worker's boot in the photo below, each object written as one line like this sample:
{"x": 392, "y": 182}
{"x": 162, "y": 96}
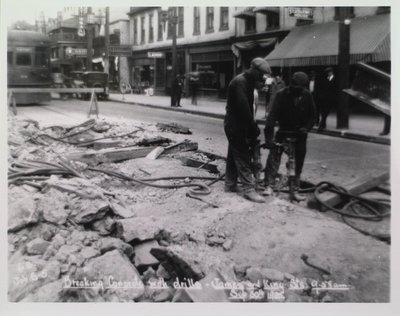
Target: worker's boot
{"x": 297, "y": 196}
{"x": 253, "y": 196}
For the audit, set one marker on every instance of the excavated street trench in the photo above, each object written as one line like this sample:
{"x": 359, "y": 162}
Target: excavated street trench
{"x": 77, "y": 233}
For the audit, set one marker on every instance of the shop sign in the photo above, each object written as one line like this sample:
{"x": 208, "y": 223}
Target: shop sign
{"x": 155, "y": 54}
{"x": 24, "y": 49}
{"x": 204, "y": 67}
{"x": 81, "y": 52}
{"x": 120, "y": 50}
{"x": 302, "y": 13}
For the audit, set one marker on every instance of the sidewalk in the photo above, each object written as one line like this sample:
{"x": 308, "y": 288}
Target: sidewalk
{"x": 361, "y": 126}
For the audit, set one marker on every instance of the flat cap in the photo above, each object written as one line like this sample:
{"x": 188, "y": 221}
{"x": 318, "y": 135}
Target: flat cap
{"x": 261, "y": 64}
{"x": 300, "y": 79}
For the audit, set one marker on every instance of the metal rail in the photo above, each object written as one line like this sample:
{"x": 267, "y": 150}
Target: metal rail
{"x": 58, "y": 90}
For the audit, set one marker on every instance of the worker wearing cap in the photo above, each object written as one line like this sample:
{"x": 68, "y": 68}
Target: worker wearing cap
{"x": 294, "y": 110}
{"x": 241, "y": 129}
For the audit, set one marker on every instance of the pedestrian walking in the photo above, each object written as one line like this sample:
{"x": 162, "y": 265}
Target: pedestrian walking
{"x": 327, "y": 96}
{"x": 177, "y": 89}
{"x": 241, "y": 129}
{"x": 294, "y": 110}
{"x": 194, "y": 86}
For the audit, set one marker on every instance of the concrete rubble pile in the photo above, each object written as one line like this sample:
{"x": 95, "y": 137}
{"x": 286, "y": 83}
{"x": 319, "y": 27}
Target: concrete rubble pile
{"x": 76, "y": 234}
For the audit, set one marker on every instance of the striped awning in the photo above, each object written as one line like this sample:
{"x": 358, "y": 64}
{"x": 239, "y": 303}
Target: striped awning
{"x": 244, "y": 14}
{"x": 317, "y": 44}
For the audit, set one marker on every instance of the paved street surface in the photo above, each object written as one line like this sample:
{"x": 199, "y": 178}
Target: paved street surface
{"x": 328, "y": 158}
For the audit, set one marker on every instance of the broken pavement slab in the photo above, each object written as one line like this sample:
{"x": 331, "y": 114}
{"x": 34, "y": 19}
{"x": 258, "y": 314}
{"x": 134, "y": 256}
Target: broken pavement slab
{"x": 143, "y": 257}
{"x": 138, "y": 228}
{"x": 117, "y": 274}
{"x": 22, "y": 212}
{"x": 109, "y": 155}
{"x": 189, "y": 162}
{"x": 178, "y": 264}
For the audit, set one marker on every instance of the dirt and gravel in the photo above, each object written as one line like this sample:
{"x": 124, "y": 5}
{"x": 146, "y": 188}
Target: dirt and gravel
{"x": 76, "y": 234}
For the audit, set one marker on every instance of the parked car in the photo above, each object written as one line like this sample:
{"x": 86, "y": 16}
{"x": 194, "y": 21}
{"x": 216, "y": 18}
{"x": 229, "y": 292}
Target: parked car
{"x": 97, "y": 79}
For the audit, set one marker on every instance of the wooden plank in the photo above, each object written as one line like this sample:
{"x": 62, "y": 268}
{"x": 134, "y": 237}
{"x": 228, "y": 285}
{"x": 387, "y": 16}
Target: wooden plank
{"x": 356, "y": 187}
{"x": 199, "y": 164}
{"x": 181, "y": 147}
{"x": 110, "y": 155}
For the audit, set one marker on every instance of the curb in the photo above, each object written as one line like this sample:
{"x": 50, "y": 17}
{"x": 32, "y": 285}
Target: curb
{"x": 333, "y": 133}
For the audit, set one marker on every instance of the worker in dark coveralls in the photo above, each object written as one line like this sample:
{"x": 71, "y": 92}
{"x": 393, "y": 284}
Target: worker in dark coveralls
{"x": 242, "y": 130}
{"x": 294, "y": 110}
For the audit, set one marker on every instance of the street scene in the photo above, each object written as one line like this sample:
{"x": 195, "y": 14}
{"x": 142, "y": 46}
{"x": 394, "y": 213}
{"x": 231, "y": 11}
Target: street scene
{"x": 200, "y": 154}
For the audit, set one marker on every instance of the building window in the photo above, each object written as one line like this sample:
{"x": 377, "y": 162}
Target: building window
{"x": 142, "y": 30}
{"x": 272, "y": 20}
{"x": 210, "y": 20}
{"x": 196, "y": 20}
{"x": 250, "y": 24}
{"x": 135, "y": 31}
{"x": 224, "y": 25}
{"x": 160, "y": 26}
{"x": 171, "y": 12}
{"x": 151, "y": 30}
{"x": 180, "y": 21}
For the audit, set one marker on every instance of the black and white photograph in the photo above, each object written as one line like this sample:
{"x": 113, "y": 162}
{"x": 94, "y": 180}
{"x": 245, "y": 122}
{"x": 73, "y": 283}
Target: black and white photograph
{"x": 238, "y": 155}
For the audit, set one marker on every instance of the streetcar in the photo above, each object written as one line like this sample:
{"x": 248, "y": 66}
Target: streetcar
{"x": 28, "y": 61}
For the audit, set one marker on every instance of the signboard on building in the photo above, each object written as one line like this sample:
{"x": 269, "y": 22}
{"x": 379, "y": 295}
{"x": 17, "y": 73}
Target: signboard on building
{"x": 79, "y": 52}
{"x": 302, "y": 13}
{"x": 155, "y": 54}
{"x": 120, "y": 50}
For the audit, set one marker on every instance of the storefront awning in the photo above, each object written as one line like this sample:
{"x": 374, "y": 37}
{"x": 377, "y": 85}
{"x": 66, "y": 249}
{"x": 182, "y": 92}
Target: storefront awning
{"x": 244, "y": 14}
{"x": 248, "y": 45}
{"x": 265, "y": 10}
{"x": 317, "y": 44}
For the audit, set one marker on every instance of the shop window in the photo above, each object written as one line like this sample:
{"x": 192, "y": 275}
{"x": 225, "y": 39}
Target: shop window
{"x": 180, "y": 21}
{"x": 272, "y": 20}
{"x": 135, "y": 31}
{"x": 210, "y": 20}
{"x": 250, "y": 24}
{"x": 24, "y": 59}
{"x": 196, "y": 20}
{"x": 142, "y": 30}
{"x": 151, "y": 31}
{"x": 10, "y": 58}
{"x": 160, "y": 27}
{"x": 41, "y": 56}
{"x": 224, "y": 18}
{"x": 300, "y": 22}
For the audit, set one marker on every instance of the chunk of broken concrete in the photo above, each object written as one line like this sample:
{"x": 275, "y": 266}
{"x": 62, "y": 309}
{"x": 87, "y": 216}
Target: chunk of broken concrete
{"x": 117, "y": 274}
{"x": 23, "y": 212}
{"x": 37, "y": 246}
{"x": 138, "y": 228}
{"x": 178, "y": 264}
{"x": 261, "y": 274}
{"x": 111, "y": 243}
{"x": 143, "y": 257}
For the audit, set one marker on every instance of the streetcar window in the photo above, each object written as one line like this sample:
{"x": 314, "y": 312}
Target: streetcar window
{"x": 41, "y": 56}
{"x": 24, "y": 59}
{"x": 10, "y": 58}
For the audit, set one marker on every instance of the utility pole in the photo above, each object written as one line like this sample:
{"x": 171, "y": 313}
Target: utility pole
{"x": 107, "y": 42}
{"x": 342, "y": 114}
{"x": 90, "y": 39}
